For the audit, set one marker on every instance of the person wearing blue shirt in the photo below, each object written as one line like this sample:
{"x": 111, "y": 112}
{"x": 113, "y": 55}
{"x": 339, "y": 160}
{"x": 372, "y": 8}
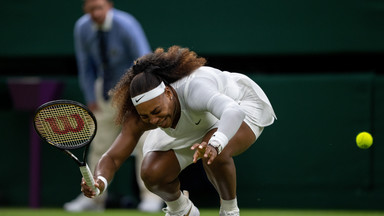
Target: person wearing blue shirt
{"x": 107, "y": 41}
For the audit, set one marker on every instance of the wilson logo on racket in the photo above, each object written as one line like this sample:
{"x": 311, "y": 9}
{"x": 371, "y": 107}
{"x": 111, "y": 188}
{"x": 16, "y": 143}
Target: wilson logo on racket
{"x": 68, "y": 127}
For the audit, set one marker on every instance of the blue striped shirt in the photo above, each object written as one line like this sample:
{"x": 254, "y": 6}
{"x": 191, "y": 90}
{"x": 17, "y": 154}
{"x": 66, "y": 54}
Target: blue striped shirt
{"x": 126, "y": 42}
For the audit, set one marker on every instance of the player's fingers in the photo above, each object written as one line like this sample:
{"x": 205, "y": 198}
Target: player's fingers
{"x": 203, "y": 145}
{"x": 87, "y": 191}
{"x": 207, "y": 152}
{"x": 84, "y": 188}
{"x": 211, "y": 154}
{"x": 196, "y": 156}
{"x": 194, "y": 146}
{"x": 200, "y": 150}
{"x": 212, "y": 157}
{"x": 83, "y": 183}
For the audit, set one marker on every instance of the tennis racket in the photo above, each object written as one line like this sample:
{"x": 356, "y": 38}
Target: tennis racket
{"x": 68, "y": 125}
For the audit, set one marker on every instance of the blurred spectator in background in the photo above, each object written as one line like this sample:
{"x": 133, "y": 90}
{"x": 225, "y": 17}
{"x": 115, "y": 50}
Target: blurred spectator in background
{"x": 107, "y": 41}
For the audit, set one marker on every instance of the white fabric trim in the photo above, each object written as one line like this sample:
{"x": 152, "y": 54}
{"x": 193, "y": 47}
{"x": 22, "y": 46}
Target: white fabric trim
{"x": 105, "y": 183}
{"x": 149, "y": 95}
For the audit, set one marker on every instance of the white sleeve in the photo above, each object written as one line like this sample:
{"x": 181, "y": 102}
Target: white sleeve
{"x": 204, "y": 95}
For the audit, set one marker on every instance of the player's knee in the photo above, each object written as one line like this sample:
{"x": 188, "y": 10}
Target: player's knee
{"x": 159, "y": 168}
{"x": 220, "y": 160}
{"x": 154, "y": 176}
{"x": 150, "y": 177}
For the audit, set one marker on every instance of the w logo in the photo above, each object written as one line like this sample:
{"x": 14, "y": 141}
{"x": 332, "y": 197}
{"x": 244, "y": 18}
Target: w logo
{"x": 66, "y": 126}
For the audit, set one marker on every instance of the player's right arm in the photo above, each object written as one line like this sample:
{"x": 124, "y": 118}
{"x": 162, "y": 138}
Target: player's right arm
{"x": 120, "y": 150}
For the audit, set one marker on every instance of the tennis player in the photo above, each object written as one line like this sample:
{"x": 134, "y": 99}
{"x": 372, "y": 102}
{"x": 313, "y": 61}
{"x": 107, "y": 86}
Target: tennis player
{"x": 196, "y": 112}
{"x": 107, "y": 42}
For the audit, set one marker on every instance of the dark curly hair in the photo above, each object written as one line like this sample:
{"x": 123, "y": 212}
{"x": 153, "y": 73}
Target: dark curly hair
{"x": 148, "y": 72}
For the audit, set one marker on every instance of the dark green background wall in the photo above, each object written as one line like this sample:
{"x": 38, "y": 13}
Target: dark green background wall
{"x": 320, "y": 62}
{"x": 38, "y": 27}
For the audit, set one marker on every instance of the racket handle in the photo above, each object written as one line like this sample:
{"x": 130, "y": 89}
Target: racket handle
{"x": 88, "y": 177}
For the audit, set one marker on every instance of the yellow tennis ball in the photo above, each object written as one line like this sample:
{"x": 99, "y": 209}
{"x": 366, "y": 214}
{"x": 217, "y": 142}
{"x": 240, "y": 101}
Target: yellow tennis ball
{"x": 364, "y": 140}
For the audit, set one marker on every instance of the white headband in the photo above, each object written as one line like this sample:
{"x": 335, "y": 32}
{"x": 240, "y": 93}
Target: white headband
{"x": 149, "y": 95}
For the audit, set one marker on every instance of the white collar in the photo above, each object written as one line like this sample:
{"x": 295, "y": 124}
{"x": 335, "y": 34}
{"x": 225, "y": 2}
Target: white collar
{"x": 107, "y": 25}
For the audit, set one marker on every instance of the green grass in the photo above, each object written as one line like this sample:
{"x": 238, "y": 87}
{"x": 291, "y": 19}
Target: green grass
{"x": 204, "y": 212}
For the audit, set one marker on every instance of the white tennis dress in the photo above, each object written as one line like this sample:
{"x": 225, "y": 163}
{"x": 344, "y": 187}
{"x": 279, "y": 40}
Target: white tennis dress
{"x": 210, "y": 98}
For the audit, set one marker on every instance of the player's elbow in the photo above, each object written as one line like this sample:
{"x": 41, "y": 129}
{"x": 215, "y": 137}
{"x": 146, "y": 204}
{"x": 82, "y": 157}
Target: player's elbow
{"x": 111, "y": 162}
{"x": 234, "y": 111}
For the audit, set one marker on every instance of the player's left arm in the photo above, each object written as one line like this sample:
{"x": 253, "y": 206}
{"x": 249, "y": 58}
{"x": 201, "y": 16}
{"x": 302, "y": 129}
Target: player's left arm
{"x": 204, "y": 95}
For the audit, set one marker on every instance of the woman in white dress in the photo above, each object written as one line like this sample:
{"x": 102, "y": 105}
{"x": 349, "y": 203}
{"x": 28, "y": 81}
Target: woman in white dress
{"x": 194, "y": 112}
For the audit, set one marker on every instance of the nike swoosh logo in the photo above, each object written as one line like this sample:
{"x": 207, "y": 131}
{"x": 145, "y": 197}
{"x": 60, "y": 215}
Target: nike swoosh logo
{"x": 137, "y": 100}
{"x": 197, "y": 123}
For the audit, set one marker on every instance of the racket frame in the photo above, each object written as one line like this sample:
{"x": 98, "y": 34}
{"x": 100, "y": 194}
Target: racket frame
{"x": 84, "y": 168}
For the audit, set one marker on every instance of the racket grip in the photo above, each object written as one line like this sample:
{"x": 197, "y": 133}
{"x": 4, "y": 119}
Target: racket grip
{"x": 88, "y": 177}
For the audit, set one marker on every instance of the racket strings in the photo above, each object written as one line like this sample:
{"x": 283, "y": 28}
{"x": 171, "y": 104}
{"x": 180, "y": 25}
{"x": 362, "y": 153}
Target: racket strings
{"x": 65, "y": 125}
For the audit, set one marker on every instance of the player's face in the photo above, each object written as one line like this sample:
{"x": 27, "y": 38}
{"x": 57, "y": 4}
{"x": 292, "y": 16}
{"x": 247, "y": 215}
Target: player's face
{"x": 97, "y": 9}
{"x": 160, "y": 111}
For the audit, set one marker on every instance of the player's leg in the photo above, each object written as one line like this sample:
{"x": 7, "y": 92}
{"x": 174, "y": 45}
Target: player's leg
{"x": 149, "y": 202}
{"x": 160, "y": 173}
{"x": 222, "y": 172}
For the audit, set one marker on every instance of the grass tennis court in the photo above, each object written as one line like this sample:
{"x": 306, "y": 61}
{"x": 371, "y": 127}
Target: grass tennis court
{"x": 203, "y": 212}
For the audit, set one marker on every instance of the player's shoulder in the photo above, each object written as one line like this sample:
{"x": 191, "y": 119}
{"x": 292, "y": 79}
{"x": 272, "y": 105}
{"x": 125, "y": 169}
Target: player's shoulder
{"x": 202, "y": 76}
{"x": 205, "y": 72}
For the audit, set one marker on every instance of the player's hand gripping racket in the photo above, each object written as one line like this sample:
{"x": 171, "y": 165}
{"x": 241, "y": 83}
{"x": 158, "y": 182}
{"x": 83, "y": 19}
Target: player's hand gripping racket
{"x": 67, "y": 125}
